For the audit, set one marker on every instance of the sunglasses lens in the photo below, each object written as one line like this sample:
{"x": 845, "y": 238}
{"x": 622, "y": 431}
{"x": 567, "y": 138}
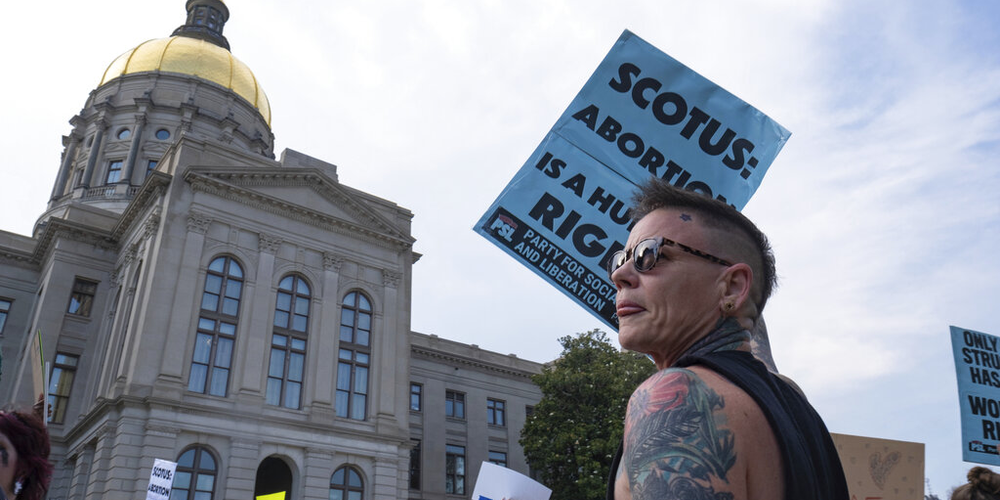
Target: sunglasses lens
{"x": 645, "y": 255}
{"x": 616, "y": 261}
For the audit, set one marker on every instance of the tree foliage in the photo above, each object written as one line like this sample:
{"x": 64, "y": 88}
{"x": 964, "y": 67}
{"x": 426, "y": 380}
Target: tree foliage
{"x": 572, "y": 435}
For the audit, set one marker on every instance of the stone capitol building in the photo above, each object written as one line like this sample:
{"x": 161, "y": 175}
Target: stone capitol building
{"x": 205, "y": 301}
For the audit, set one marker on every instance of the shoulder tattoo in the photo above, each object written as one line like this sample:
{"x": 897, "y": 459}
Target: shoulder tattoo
{"x": 676, "y": 439}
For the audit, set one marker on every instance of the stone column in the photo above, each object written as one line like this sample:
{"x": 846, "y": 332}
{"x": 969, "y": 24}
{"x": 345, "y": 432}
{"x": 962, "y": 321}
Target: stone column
{"x": 97, "y": 485}
{"x": 95, "y": 152}
{"x": 329, "y": 331}
{"x": 390, "y": 348}
{"x": 124, "y": 462}
{"x": 385, "y": 481}
{"x": 111, "y": 345}
{"x": 172, "y": 366}
{"x": 316, "y": 472}
{"x": 133, "y": 152}
{"x": 241, "y": 475}
{"x": 257, "y": 334}
{"x": 159, "y": 441}
{"x": 134, "y": 352}
{"x": 81, "y": 473}
{"x": 59, "y": 188}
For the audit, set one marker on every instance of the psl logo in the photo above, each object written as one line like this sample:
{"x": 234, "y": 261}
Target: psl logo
{"x": 981, "y": 447}
{"x": 504, "y": 227}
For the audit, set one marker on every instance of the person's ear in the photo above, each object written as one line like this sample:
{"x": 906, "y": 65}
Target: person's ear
{"x": 735, "y": 284}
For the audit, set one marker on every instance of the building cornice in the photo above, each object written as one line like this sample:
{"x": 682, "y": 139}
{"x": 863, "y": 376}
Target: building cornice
{"x": 231, "y": 185}
{"x": 105, "y": 415}
{"x": 152, "y": 189}
{"x": 451, "y": 358}
{"x": 72, "y": 231}
{"x": 20, "y": 259}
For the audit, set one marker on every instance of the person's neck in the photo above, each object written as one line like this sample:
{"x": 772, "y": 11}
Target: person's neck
{"x": 728, "y": 335}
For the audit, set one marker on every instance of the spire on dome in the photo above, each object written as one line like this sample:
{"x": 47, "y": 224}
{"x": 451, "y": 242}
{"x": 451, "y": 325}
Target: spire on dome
{"x": 205, "y": 20}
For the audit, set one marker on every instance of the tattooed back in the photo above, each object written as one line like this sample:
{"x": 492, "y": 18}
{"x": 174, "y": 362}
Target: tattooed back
{"x": 691, "y": 434}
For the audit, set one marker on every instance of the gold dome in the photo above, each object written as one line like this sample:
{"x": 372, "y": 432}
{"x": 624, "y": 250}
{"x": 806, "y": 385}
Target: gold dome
{"x": 190, "y": 56}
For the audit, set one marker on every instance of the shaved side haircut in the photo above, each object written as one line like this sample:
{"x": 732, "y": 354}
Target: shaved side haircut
{"x": 728, "y": 227}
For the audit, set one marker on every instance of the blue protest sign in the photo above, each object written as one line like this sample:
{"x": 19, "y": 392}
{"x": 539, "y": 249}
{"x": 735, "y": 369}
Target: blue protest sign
{"x": 977, "y": 366}
{"x": 643, "y": 113}
{"x": 640, "y": 114}
{"x": 563, "y": 225}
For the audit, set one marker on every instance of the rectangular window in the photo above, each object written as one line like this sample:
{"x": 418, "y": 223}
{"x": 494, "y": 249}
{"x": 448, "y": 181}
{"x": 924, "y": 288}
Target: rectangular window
{"x": 454, "y": 474}
{"x": 352, "y": 384}
{"x": 285, "y": 373}
{"x": 495, "y": 413}
{"x": 416, "y": 391}
{"x": 213, "y": 357}
{"x": 454, "y": 404}
{"x": 60, "y": 384}
{"x": 150, "y": 166}
{"x": 78, "y": 178}
{"x": 4, "y": 311}
{"x": 415, "y": 465}
{"x": 82, "y": 298}
{"x": 114, "y": 172}
{"x": 499, "y": 458}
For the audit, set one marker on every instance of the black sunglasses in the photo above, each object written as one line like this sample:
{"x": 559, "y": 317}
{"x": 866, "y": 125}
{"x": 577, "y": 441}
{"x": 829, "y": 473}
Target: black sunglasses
{"x": 647, "y": 252}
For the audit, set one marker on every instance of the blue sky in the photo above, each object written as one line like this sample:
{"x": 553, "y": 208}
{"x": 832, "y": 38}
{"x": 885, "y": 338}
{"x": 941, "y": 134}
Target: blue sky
{"x": 882, "y": 208}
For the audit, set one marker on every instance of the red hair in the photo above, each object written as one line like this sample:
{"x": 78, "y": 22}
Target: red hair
{"x": 31, "y": 441}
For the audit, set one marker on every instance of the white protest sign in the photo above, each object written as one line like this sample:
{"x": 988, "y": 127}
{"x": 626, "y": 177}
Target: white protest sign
{"x": 161, "y": 479}
{"x": 498, "y": 483}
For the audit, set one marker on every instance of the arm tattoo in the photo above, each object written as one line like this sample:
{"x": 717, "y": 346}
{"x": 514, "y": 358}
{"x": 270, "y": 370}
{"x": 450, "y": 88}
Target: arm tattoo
{"x": 675, "y": 439}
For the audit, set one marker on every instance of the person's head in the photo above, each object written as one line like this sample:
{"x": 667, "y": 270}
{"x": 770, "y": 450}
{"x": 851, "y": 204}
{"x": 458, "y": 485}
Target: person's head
{"x": 713, "y": 263}
{"x": 983, "y": 484}
{"x": 24, "y": 455}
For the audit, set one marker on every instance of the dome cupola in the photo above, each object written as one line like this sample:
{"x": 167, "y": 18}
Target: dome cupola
{"x": 205, "y": 21}
{"x": 197, "y": 48}
{"x": 185, "y": 85}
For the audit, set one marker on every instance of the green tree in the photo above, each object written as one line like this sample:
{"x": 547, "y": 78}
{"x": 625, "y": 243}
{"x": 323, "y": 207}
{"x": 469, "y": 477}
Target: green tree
{"x": 571, "y": 437}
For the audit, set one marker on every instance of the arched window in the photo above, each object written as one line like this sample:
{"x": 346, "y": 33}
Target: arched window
{"x": 354, "y": 356}
{"x": 288, "y": 343}
{"x": 195, "y": 475}
{"x": 220, "y": 307}
{"x": 346, "y": 484}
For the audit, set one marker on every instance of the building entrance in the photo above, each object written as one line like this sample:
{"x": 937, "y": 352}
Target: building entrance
{"x": 273, "y": 476}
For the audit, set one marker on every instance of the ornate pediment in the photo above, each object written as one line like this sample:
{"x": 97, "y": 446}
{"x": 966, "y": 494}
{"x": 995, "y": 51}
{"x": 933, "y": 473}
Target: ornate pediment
{"x": 117, "y": 147}
{"x": 305, "y": 195}
{"x": 155, "y": 147}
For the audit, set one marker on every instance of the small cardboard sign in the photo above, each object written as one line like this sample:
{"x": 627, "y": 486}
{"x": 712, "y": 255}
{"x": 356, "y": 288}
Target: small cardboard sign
{"x": 161, "y": 480}
{"x": 881, "y": 469}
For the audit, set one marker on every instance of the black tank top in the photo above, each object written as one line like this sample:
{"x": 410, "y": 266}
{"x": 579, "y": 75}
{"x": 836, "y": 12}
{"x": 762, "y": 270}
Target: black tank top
{"x": 812, "y": 467}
